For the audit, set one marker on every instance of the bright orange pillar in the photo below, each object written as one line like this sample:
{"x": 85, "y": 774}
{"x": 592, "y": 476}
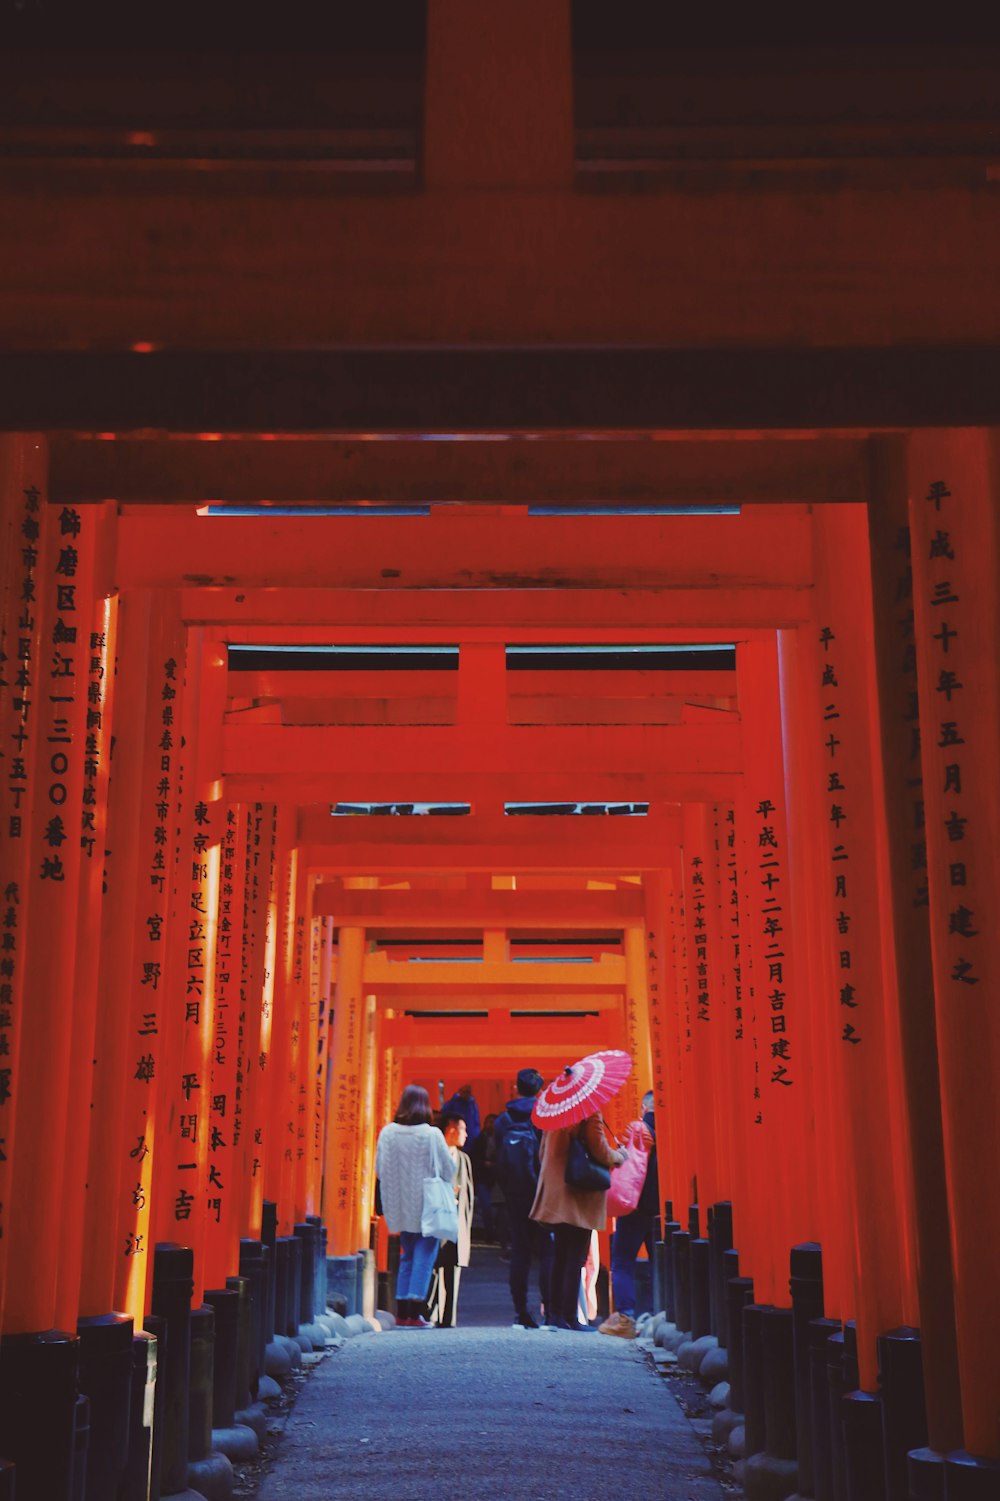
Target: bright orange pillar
{"x": 342, "y": 1125}
{"x": 57, "y": 726}
{"x": 255, "y": 1016}
{"x": 277, "y": 1179}
{"x": 954, "y": 483}
{"x": 637, "y": 1028}
{"x": 703, "y": 980}
{"x": 222, "y": 1235}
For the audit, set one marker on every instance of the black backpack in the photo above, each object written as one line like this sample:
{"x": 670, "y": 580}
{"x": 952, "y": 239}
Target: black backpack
{"x": 517, "y": 1159}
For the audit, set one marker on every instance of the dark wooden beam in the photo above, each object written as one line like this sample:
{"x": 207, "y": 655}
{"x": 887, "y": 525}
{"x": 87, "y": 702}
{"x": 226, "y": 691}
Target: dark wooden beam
{"x": 634, "y": 470}
{"x": 589, "y": 911}
{"x": 510, "y": 390}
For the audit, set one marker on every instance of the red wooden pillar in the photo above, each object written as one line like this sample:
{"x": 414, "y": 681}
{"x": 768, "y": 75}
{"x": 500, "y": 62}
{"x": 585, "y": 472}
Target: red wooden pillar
{"x": 255, "y": 1025}
{"x": 704, "y": 1003}
{"x": 57, "y": 719}
{"x": 86, "y": 1021}
{"x": 860, "y": 1003}
{"x": 181, "y": 1165}
{"x": 953, "y": 488}
{"x": 782, "y": 1119}
{"x": 223, "y": 1227}
{"x": 22, "y": 478}
{"x": 279, "y": 1025}
{"x": 902, "y": 789}
{"x": 149, "y": 905}
{"x": 656, "y": 893}
{"x": 133, "y": 689}
{"x": 339, "y": 1207}
{"x": 637, "y": 1027}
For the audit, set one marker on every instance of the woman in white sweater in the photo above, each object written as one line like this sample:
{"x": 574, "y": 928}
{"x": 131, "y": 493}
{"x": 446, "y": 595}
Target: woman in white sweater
{"x": 409, "y": 1150}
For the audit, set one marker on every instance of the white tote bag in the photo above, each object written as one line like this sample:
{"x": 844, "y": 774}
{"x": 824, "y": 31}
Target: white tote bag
{"x": 439, "y": 1217}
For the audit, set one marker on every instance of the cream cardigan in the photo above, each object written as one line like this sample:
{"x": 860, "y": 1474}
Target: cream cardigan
{"x": 404, "y": 1157}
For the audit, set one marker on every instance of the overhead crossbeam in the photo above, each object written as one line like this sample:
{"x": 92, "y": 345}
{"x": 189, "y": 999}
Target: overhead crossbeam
{"x": 491, "y": 977}
{"x": 628, "y": 470}
{"x": 764, "y": 549}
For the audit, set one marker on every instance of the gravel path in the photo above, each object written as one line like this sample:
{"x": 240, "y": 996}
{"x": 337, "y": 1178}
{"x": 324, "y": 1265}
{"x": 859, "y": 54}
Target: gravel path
{"x": 505, "y": 1414}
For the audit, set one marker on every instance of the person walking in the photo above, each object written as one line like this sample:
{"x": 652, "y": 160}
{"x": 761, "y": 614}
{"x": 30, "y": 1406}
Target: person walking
{"x": 516, "y": 1165}
{"x": 452, "y": 1257}
{"x": 409, "y": 1150}
{"x": 482, "y": 1155}
{"x": 463, "y": 1103}
{"x": 573, "y": 1213}
{"x": 632, "y": 1232}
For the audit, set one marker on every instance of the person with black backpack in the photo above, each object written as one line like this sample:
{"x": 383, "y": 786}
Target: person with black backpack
{"x": 516, "y": 1165}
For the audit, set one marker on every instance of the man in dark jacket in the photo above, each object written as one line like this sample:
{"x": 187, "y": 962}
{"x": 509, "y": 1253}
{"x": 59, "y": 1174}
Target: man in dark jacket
{"x": 516, "y": 1168}
{"x": 632, "y": 1232}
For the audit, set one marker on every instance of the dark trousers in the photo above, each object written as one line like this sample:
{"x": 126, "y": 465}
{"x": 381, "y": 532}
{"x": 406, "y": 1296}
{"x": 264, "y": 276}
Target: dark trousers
{"x": 632, "y": 1231}
{"x": 444, "y": 1286}
{"x": 572, "y": 1243}
{"x": 529, "y": 1239}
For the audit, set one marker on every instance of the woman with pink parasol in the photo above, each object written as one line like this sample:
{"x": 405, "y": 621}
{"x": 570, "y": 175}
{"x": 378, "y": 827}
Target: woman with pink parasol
{"x": 576, "y": 1159}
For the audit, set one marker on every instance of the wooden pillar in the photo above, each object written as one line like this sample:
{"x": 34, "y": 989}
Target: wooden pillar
{"x": 22, "y": 478}
{"x": 637, "y": 1027}
{"x": 255, "y": 1016}
{"x": 367, "y": 1096}
{"x": 953, "y": 490}
{"x": 342, "y": 1135}
{"x": 498, "y": 95}
{"x": 223, "y": 1227}
{"x": 88, "y": 1020}
{"x": 704, "y": 991}
{"x": 782, "y": 1119}
{"x": 902, "y": 790}
{"x": 277, "y": 1178}
{"x": 57, "y": 724}
{"x": 180, "y": 1172}
{"x": 860, "y": 996}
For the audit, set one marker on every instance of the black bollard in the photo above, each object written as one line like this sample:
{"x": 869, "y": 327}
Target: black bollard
{"x": 681, "y": 1241}
{"x": 269, "y": 1237}
{"x": 324, "y": 1285}
{"x": 739, "y": 1293}
{"x": 293, "y": 1303}
{"x": 968, "y": 1478}
{"x": 208, "y": 1472}
{"x": 244, "y": 1339}
{"x": 836, "y": 1388}
{"x": 864, "y": 1451}
{"x": 701, "y": 1275}
{"x": 773, "y": 1474}
{"x": 225, "y": 1306}
{"x": 904, "y": 1413}
{"x": 173, "y": 1286}
{"x": 106, "y": 1378}
{"x": 38, "y": 1376}
{"x": 319, "y": 1251}
{"x": 721, "y": 1240}
{"x": 281, "y": 1285}
{"x": 81, "y": 1449}
{"x": 156, "y": 1326}
{"x": 669, "y": 1278}
{"x": 659, "y": 1276}
{"x": 925, "y": 1475}
{"x": 820, "y": 1331}
{"x": 806, "y": 1287}
{"x": 6, "y": 1480}
{"x": 755, "y": 1419}
{"x": 253, "y": 1268}
{"x": 135, "y": 1482}
{"x": 309, "y": 1237}
{"x": 694, "y": 1221}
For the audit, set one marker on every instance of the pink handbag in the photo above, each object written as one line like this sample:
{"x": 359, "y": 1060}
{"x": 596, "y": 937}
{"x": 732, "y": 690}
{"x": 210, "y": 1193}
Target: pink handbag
{"x": 627, "y": 1180}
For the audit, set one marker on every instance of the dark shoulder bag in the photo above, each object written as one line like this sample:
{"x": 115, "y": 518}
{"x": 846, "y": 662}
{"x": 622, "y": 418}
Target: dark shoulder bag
{"x": 582, "y": 1172}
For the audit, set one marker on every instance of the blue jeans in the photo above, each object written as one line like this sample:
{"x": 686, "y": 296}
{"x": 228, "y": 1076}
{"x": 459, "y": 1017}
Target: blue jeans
{"x": 417, "y": 1255}
{"x": 631, "y": 1231}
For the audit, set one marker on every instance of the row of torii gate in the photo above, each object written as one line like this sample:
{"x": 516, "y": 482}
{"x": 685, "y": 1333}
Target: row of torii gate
{"x": 214, "y": 988}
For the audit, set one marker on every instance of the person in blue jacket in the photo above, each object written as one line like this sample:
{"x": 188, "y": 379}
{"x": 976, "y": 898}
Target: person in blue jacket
{"x": 463, "y": 1104}
{"x": 515, "y": 1165}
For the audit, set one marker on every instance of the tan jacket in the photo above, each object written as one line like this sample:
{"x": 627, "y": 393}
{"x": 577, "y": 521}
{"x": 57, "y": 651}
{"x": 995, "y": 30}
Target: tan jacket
{"x": 555, "y": 1202}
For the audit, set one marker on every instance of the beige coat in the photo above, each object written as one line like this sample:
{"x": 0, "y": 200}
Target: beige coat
{"x": 463, "y": 1193}
{"x": 555, "y": 1202}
